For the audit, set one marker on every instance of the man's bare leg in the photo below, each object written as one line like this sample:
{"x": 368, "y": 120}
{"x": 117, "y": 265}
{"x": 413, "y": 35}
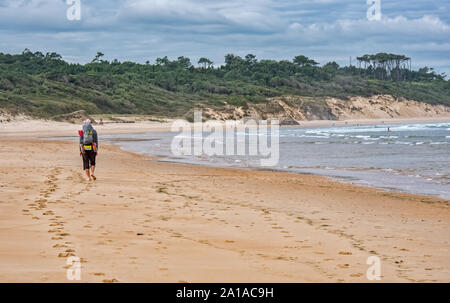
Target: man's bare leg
{"x": 87, "y": 174}
{"x": 92, "y": 172}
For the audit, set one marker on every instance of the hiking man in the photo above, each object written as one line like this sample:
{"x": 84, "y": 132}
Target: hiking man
{"x": 88, "y": 148}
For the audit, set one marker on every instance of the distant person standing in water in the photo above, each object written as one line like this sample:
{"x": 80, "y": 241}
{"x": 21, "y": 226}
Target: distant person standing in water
{"x": 88, "y": 148}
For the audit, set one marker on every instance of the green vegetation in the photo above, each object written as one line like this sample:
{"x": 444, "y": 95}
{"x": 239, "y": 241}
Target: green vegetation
{"x": 45, "y": 85}
{"x": 386, "y": 66}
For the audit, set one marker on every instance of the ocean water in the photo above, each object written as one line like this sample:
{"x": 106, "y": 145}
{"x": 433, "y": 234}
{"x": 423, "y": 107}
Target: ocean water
{"x": 412, "y": 158}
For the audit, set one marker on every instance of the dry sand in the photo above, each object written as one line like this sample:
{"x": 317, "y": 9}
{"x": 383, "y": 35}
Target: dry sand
{"x": 148, "y": 221}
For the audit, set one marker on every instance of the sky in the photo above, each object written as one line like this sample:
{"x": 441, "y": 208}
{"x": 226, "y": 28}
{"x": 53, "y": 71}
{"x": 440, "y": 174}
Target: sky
{"x": 141, "y": 30}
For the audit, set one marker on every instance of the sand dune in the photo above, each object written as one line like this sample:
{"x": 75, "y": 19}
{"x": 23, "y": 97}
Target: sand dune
{"x": 147, "y": 221}
{"x": 304, "y": 109}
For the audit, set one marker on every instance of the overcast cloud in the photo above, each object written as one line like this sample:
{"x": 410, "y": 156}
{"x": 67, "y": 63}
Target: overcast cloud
{"x": 141, "y": 30}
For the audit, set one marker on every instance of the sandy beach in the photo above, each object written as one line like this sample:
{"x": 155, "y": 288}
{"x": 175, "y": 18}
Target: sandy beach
{"x": 28, "y": 128}
{"x": 148, "y": 221}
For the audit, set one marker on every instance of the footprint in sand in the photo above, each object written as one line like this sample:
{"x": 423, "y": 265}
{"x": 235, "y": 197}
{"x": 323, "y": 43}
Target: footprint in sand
{"x": 59, "y": 245}
{"x": 65, "y": 255}
{"x": 343, "y": 265}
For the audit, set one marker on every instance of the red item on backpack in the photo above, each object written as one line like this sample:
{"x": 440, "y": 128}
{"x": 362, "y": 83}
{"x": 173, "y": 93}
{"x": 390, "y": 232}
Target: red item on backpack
{"x": 80, "y": 132}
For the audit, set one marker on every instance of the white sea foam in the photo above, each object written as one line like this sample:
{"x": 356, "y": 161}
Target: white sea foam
{"x": 383, "y": 128}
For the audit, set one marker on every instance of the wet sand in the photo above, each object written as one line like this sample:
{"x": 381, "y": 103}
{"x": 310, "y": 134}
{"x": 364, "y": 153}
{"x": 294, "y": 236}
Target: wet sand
{"x": 147, "y": 221}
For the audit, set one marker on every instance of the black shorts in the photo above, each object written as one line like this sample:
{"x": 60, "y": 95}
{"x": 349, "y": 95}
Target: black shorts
{"x": 89, "y": 159}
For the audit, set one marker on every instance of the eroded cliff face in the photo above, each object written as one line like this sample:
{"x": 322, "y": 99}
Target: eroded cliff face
{"x": 384, "y": 106}
{"x": 305, "y": 108}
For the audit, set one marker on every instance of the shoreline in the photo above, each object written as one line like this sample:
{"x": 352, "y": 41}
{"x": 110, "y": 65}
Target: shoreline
{"x": 50, "y": 128}
{"x": 336, "y": 179}
{"x": 331, "y": 176}
{"x": 153, "y": 221}
{"x": 156, "y": 127}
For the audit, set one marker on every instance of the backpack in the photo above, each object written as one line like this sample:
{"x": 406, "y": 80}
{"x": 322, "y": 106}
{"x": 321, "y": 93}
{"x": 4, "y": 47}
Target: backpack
{"x": 88, "y": 134}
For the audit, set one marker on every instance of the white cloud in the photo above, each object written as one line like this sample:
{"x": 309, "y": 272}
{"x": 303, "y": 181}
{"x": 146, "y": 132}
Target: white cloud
{"x": 257, "y": 15}
{"x": 431, "y": 27}
{"x": 278, "y": 29}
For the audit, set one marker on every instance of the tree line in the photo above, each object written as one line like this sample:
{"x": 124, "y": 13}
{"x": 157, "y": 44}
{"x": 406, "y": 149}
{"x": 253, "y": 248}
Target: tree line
{"x": 385, "y": 66}
{"x": 171, "y": 86}
{"x": 381, "y": 66}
